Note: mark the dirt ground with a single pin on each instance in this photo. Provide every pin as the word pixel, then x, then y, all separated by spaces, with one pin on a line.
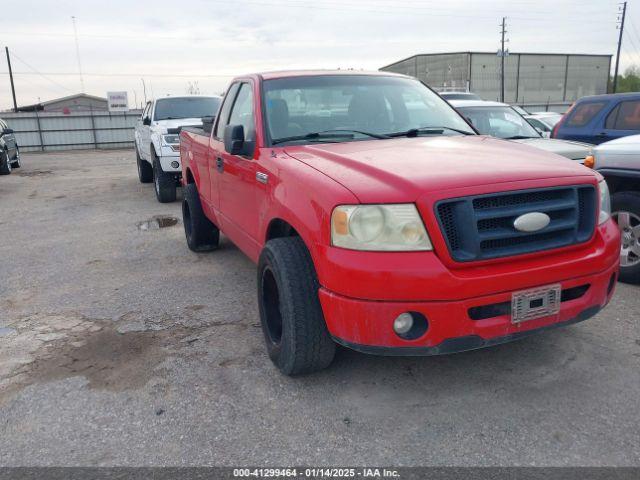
pixel 119 346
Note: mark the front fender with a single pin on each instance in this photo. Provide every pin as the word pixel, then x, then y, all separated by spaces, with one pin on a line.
pixel 304 198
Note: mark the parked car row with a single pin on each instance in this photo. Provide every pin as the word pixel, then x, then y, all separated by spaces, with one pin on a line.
pixel 502 121
pixel 382 221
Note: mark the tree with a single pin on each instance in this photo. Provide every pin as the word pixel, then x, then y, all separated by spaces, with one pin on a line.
pixel 630 80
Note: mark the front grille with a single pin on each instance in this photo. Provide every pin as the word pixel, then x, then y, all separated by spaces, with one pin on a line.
pixel 481 227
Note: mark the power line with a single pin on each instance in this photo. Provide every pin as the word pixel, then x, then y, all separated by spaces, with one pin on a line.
pixel 36 72
pixel 138 74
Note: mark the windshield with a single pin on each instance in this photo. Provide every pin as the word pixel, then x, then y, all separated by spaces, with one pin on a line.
pixel 185 107
pixel 501 122
pixel 354 107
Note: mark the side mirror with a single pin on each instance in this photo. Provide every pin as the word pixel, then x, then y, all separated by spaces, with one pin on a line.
pixel 7 131
pixel 146 121
pixel 207 123
pixel 234 142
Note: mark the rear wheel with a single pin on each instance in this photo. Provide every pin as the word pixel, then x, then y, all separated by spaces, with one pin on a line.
pixel 626 213
pixel 292 321
pixel 164 183
pixel 202 235
pixel 5 163
pixel 145 170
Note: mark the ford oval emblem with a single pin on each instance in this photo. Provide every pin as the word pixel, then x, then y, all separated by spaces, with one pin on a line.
pixel 531 222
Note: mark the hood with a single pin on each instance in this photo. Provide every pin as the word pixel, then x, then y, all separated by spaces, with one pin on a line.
pixel 163 125
pixel 629 145
pixel 566 148
pixel 405 168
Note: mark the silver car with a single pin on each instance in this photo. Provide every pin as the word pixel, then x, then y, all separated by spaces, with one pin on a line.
pixel 500 120
pixel 619 162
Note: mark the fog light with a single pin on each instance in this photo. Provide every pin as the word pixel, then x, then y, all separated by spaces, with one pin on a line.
pixel 410 325
pixel 175 164
pixel 403 323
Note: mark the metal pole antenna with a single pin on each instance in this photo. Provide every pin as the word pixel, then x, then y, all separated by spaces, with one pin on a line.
pixel 621 26
pixel 75 33
pixel 13 88
pixel 502 55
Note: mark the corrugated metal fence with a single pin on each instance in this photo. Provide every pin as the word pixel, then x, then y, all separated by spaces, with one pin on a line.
pixel 42 131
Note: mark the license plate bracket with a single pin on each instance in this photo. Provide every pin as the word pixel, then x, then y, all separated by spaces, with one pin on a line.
pixel 535 303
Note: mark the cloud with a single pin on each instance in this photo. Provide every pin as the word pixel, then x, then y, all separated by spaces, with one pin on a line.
pixel 208 41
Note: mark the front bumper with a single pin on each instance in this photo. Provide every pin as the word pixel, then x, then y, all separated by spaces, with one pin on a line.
pixel 367 325
pixel 170 160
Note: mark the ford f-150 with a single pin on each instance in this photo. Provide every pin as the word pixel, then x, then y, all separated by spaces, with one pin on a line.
pixel 381 221
pixel 157 140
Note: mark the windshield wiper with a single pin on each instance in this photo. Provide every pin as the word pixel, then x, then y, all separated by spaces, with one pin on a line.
pixel 519 137
pixel 328 134
pixel 414 132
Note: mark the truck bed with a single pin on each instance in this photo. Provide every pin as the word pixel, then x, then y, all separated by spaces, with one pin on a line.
pixel 195 131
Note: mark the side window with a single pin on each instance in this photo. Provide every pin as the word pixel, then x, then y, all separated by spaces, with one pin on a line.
pixel 584 113
pixel 223 113
pixel 628 117
pixel 538 124
pixel 242 113
pixel 610 123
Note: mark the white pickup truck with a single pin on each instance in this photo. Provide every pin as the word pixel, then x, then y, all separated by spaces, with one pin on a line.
pixel 157 139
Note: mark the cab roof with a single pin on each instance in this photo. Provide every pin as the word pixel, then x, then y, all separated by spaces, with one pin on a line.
pixel 315 73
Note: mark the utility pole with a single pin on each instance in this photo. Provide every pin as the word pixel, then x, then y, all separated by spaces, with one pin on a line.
pixel 503 53
pixel 75 34
pixel 621 28
pixel 13 88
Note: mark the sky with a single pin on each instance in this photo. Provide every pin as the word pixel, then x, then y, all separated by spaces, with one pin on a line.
pixel 177 47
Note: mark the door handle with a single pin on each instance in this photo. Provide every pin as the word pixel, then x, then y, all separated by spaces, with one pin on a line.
pixel 220 164
pixel 262 177
pixel 602 134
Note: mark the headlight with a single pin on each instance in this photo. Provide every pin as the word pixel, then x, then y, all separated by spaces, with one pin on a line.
pixel 605 202
pixel 171 139
pixel 379 228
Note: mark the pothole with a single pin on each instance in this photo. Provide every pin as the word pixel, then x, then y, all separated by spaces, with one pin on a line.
pixel 157 222
pixel 35 173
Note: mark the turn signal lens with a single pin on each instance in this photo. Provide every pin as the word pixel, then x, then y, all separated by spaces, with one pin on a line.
pixel 590 161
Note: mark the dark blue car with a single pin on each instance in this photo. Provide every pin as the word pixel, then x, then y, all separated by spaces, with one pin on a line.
pixel 601 118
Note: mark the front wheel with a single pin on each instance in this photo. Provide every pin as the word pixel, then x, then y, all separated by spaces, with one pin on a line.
pixel 164 183
pixel 626 213
pixel 16 161
pixel 5 163
pixel 290 313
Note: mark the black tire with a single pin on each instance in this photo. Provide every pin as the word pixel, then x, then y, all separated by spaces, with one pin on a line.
pixel 5 164
pixel 629 202
pixel 145 170
pixel 16 161
pixel 292 321
pixel 164 183
pixel 202 235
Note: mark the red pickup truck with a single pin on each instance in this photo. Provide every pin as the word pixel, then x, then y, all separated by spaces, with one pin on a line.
pixel 381 221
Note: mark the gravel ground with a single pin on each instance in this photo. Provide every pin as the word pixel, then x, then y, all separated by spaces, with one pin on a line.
pixel 119 346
